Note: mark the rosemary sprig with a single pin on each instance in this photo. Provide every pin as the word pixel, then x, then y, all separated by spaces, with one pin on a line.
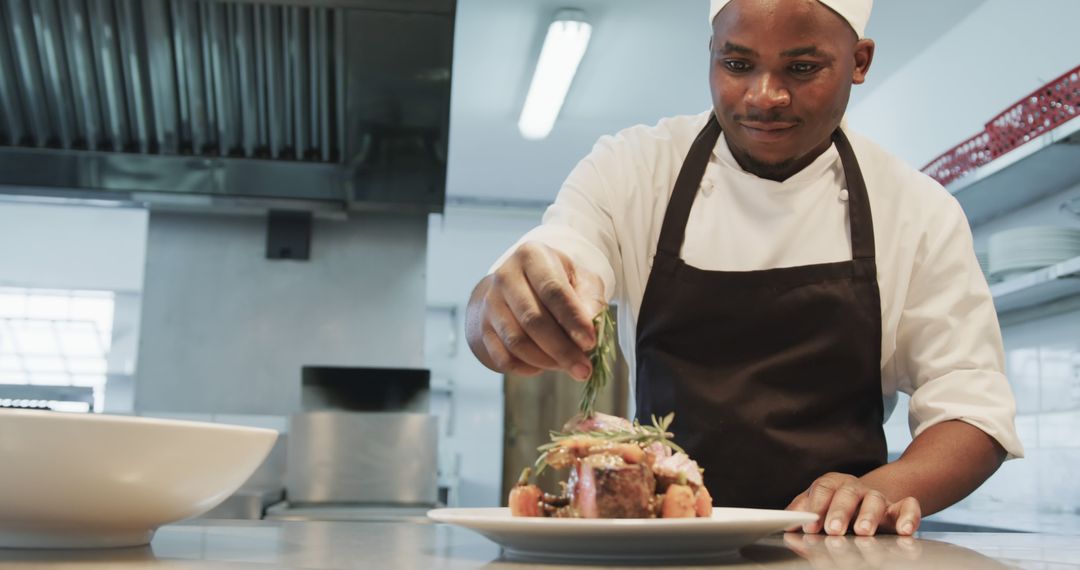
pixel 640 434
pixel 523 479
pixel 602 358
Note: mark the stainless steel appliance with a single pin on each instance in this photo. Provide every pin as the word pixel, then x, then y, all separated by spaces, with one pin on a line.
pixel 364 447
pixel 386 458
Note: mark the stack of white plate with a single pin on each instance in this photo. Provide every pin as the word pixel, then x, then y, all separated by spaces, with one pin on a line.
pixel 1020 250
pixel 984 264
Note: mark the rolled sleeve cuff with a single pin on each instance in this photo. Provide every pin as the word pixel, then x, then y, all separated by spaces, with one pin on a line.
pixel 981 398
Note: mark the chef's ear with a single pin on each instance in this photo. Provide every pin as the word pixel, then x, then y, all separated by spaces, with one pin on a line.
pixel 864 56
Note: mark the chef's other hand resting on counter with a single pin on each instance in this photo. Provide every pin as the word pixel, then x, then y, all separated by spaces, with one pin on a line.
pixel 780 280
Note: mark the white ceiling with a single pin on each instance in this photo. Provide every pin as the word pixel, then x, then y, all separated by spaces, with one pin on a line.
pixel 647 59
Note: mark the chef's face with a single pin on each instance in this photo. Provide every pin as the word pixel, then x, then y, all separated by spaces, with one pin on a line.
pixel 781 72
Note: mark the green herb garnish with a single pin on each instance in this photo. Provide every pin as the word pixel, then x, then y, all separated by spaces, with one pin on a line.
pixel 602 358
pixel 639 434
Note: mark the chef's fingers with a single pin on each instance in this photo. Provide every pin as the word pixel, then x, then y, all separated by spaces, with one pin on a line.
pixel 904 516
pixel 799 503
pixel 548 274
pixel 844 505
pixel 871 513
pixel 511 286
pixel 820 496
pixel 543 330
pixel 502 358
pixel 590 289
pixel 515 339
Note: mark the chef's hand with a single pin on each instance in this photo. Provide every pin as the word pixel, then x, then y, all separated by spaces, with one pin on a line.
pixel 535 313
pixel 840 500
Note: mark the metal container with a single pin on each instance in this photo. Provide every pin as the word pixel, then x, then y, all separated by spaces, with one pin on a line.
pixel 362 457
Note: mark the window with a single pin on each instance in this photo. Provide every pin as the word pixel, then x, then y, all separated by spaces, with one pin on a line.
pixel 53 339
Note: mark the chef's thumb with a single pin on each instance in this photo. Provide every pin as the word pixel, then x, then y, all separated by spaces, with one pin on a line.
pixel 589 300
pixel 590 291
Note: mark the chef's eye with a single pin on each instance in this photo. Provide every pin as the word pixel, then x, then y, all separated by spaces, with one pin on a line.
pixel 736 66
pixel 804 68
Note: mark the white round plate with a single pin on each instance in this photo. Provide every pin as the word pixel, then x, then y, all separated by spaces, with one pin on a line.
pixel 552 539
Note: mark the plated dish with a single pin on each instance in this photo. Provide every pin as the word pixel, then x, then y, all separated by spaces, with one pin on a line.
pixel 614 469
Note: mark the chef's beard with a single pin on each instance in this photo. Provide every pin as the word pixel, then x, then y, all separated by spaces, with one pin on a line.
pixel 763 169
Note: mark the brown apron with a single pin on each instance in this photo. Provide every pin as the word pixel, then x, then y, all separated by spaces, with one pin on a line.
pixel 774 375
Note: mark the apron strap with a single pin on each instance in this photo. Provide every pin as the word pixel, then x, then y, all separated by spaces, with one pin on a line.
pixel 686 188
pixel 862 225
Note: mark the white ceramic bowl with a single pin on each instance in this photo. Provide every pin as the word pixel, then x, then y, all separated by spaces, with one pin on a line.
pixel 92 481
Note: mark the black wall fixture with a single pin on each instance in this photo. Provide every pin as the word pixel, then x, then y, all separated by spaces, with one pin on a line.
pixel 288 235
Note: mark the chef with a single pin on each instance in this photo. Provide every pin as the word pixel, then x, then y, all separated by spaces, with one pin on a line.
pixel 780 279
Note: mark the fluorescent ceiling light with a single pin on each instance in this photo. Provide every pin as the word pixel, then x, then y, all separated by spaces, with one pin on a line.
pixel 564 46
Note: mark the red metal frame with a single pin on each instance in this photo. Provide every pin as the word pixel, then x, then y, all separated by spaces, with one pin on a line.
pixel 1044 109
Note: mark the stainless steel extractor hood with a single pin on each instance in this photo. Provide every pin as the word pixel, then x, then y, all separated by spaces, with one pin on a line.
pixel 332 104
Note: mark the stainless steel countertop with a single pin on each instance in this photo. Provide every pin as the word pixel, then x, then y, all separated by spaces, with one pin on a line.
pixel 410 545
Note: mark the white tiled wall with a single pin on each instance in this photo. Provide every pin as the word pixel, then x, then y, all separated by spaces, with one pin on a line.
pixel 1042 358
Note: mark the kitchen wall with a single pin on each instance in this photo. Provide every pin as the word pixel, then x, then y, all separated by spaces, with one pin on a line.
pixel 252 322
pixel 55 246
pixel 1043 360
pixel 76 247
pixel 226 330
pixel 1042 352
pixel 1002 51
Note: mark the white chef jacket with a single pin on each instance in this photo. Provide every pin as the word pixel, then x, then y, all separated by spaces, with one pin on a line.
pixel 940 339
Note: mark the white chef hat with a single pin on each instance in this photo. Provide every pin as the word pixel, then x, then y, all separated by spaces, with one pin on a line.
pixel 856 12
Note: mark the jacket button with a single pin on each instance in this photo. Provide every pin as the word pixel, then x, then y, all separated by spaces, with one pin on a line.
pixel 843 195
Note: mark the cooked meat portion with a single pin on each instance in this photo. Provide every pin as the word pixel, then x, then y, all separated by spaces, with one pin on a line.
pixel 678 468
pixel 577 447
pixel 617 469
pixel 606 486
